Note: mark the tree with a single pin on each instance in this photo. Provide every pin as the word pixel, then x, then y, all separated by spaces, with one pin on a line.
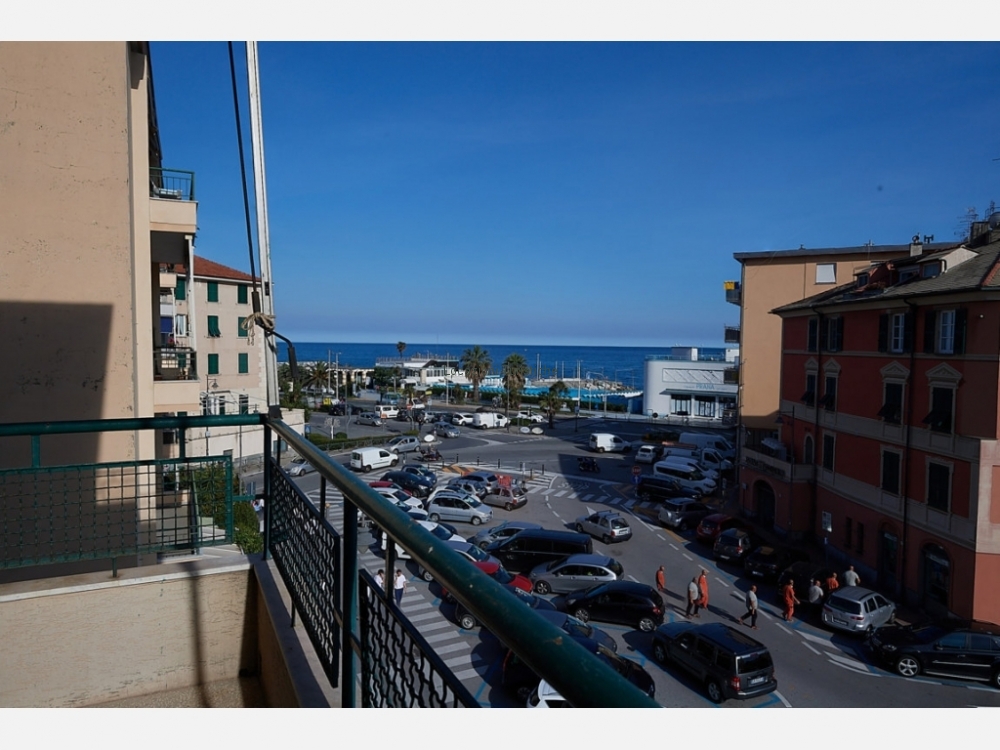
pixel 382 377
pixel 401 347
pixel 477 363
pixel 317 376
pixel 515 374
pixel 552 400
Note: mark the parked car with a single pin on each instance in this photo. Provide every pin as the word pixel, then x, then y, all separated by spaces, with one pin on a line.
pixel 403 444
pixel 530 548
pixel 472 486
pixel 508 498
pixel 415 485
pixel 441 531
pixel 495 570
pixel 442 429
pixel 492 480
pixel 963 649
pixel 624 602
pixel 369 418
pixel 422 471
pixel 468 621
pixel 300 467
pixel 533 418
pixel 714 524
pixel 461 418
pixel 605 525
pixel 546 696
pixel 504 530
pixel 727 662
pixel 733 545
pixel 575 572
pixel 682 513
pixel 454 505
pixel 857 610
pixel 648 454
pixel 519 677
pixel 399 496
pixel 767 562
pixel 802 574
pixel 468 550
pixel 603 442
pixel 662 488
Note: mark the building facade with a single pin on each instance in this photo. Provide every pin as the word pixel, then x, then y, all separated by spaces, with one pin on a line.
pixel 887 451
pixel 685 383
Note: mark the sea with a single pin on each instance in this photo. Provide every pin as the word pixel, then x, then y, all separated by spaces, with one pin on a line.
pixel 622 364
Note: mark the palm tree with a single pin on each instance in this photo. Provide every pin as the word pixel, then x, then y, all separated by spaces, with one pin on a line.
pixel 401 347
pixel 515 373
pixel 552 400
pixel 317 376
pixel 477 363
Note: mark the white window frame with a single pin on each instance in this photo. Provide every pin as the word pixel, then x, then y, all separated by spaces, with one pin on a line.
pixel 945 337
pixel 826 273
pixel 897 332
pixel 180 324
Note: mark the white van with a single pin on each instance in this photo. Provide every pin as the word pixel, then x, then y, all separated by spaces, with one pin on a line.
pixel 707 457
pixel 366 459
pixel 686 462
pixel 486 419
pixel 707 440
pixel 688 478
pixel 384 411
pixel 604 441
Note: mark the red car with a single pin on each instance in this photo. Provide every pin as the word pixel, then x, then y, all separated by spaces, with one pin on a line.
pixel 500 574
pixel 388 485
pixel 713 525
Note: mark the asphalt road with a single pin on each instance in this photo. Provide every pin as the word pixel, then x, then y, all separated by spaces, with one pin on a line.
pixel 814 667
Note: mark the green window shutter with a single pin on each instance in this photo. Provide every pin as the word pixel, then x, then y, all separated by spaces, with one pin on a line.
pixel 240 329
pixel 241 294
pixel 180 291
pixel 213 326
pixel 213 291
pixel 244 363
pixel 213 364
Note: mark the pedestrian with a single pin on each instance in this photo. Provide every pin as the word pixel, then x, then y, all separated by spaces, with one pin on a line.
pixel 851 578
pixel 751 602
pixel 703 589
pixel 694 595
pixel 399 586
pixel 816 596
pixel 380 580
pixel 790 600
pixel 661 580
pixel 832 584
pixel 258 507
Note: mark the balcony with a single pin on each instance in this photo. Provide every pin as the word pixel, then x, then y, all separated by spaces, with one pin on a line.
pixel 302 617
pixel 731 335
pixel 734 295
pixel 173 213
pixel 731 375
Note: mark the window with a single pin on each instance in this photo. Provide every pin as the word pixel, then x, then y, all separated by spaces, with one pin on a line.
pixel 213 326
pixel 181 325
pixel 244 404
pixel 898 340
pixel 941 415
pixel 809 397
pixel 244 363
pixel 946 332
pixel 680 405
pixel 930 270
pixel 213 364
pixel 807 450
pixel 213 291
pixel 241 294
pixel 859 546
pixel 938 486
pixel 829 400
pixel 826 273
pixel 892 403
pixel 240 330
pixel 863 279
pixel 180 291
pixel 890 472
pixel 811 338
pixel 848 532
pixel 169 437
pixel 829 441
pixel 895 332
pixel 831 334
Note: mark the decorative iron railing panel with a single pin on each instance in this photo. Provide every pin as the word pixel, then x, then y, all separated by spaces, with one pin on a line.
pixel 306 550
pixel 399 669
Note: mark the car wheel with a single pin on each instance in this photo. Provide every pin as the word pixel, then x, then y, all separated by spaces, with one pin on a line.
pixel 606 539
pixel 582 615
pixel 433 518
pixel 366 469
pixel 714 691
pixel 660 652
pixel 644 496
pixel 467 621
pixel 646 624
pixel 908 666
pixel 579 527
pixel 542 587
pixel 995 679
pixel 484 545
pixel 394 462
pixel 600 450
pixel 682 526
pixel 426 575
pixel 509 506
pixel 476 520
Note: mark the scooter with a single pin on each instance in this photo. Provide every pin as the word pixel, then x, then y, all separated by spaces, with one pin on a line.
pixel 588 464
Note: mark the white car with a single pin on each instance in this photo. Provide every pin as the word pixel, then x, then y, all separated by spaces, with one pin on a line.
pixel 399 496
pixel 436 530
pixel 462 419
pixel 300 467
pixel 647 454
pixel 533 418
pixel 546 696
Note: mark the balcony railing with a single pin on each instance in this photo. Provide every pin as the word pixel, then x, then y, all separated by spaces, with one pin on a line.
pixel 360 637
pixel 734 294
pixel 174 362
pixel 173 184
pixel 731 375
pixel 731 335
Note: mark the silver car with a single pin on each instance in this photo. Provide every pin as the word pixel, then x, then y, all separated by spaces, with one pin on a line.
pixel 443 429
pixel 575 572
pixel 473 486
pixel 369 417
pixel 454 505
pixel 857 610
pixel 605 525
pixel 682 513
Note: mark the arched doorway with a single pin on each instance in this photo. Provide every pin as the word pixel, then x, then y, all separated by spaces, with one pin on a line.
pixel 888 559
pixel 935 579
pixel 763 495
pixel 808 456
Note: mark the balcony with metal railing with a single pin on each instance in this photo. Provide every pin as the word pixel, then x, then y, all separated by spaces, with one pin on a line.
pixel 356 647
pixel 172 211
pixel 731 334
pixel 734 294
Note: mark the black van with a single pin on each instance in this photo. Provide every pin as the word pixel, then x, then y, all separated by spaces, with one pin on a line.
pixel 526 549
pixel 727 662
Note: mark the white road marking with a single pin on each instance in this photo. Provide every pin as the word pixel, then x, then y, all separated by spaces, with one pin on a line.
pixel 783 628
pixel 556 514
pixel 722 582
pixel 633 578
pixel 546 492
pixel 687 556
pixel 673 546
pixel 561 493
pixel 628 504
pixel 587 498
pixel 663 539
pixel 648 526
pixel 847 660
pixel 765 614
pixel 616 501
pixel 853 669
pixel 804 643
pixel 457 661
pixel 815 638
pixel 782 698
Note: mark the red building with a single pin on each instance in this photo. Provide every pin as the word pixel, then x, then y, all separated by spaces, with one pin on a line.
pixel 887 443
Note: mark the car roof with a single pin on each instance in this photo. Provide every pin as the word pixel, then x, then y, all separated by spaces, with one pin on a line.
pixel 722 635
pixel 589 559
pixel 717 518
pixel 629 587
pixel 852 593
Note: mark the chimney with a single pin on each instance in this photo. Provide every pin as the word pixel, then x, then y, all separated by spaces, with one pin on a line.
pixel 916 247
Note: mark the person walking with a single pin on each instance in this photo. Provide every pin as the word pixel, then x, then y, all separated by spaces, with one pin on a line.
pixel 694 596
pixel 832 584
pixel 661 580
pixel 851 578
pixel 790 600
pixel 751 602
pixel 380 580
pixel 399 586
pixel 703 589
pixel 816 596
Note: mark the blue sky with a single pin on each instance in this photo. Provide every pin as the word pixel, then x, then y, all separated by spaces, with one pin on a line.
pixel 571 193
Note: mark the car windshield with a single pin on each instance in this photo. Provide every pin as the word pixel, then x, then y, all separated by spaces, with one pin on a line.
pixel 477 554
pixel 502 576
pixel 616 568
pixel 849 606
pixel 618 523
pixel 441 533
pixel 754 662
pixel 577 628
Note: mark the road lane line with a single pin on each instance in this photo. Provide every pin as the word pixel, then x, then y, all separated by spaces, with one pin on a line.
pixel 804 643
pixel 633 578
pixel 663 539
pixel 722 582
pixel 687 556
pixel 787 704
pixel 815 638
pixel 628 504
pixel 783 628
pixel 556 515
pixel 674 546
pixel 853 669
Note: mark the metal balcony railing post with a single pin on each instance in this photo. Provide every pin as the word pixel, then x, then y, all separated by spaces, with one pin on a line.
pixel 267 488
pixel 349 590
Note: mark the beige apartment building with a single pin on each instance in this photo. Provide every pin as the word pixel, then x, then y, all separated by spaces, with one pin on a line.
pixel 774 278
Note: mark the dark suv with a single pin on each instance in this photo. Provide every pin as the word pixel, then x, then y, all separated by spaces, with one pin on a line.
pixel 964 649
pixel 634 604
pixel 661 488
pixel 767 562
pixel 418 486
pixel 728 663
pixel 733 545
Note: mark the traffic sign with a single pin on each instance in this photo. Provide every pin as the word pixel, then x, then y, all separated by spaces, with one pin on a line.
pixel 636 470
